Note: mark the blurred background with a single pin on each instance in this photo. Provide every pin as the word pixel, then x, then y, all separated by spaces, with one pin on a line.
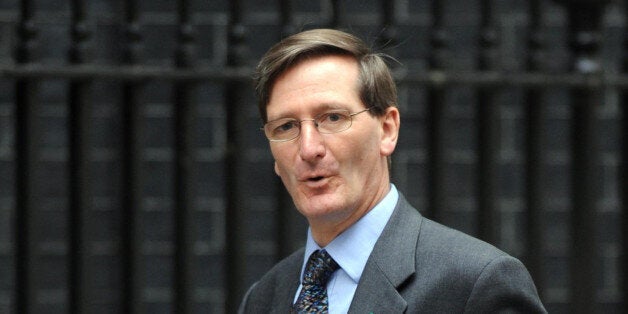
pixel 134 177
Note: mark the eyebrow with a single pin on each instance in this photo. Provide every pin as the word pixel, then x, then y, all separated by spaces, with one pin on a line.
pixel 322 108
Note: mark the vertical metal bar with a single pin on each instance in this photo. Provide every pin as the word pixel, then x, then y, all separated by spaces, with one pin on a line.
pixel 287 219
pixel 488 141
pixel 25 199
pixel 336 14
pixel 184 192
pixel 79 162
pixel 389 33
pixel 437 129
pixel 584 180
pixel 131 177
pixel 286 18
pixel 623 194
pixel 388 37
pixel 584 23
pixel 235 164
pixel 585 187
pixel 534 155
pixel 623 178
pixel 26 162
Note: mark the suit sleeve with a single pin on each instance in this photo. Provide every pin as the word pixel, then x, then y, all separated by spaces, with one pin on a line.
pixel 504 285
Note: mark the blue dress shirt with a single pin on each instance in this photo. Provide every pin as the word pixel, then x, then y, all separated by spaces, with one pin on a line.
pixel 351 250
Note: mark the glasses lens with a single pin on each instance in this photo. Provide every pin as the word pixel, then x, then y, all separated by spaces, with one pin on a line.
pixel 288 128
pixel 282 129
pixel 334 121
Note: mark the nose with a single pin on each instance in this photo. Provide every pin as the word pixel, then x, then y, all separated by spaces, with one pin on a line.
pixel 312 143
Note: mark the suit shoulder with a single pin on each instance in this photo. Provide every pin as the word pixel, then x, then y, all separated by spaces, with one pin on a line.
pixel 471 275
pixel 442 242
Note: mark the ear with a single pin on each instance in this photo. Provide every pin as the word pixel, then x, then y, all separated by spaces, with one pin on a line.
pixel 390 131
pixel 277 169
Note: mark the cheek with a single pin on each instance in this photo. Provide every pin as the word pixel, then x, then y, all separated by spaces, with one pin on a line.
pixel 360 155
pixel 281 159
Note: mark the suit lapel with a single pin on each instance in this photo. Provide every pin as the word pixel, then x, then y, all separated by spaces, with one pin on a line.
pixel 287 286
pixel 285 296
pixel 391 263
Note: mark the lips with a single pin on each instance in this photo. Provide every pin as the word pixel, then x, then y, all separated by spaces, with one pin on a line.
pixel 313 177
pixel 317 176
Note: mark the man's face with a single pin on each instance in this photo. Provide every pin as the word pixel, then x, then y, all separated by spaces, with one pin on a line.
pixel 333 178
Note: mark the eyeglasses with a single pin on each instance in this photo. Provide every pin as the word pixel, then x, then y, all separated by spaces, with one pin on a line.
pixel 286 129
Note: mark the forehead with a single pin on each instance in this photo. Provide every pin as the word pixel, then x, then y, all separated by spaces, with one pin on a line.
pixel 318 82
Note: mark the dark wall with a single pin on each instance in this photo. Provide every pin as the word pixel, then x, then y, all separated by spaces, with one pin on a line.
pixel 134 177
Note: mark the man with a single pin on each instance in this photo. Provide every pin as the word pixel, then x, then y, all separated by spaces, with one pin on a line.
pixel 329 108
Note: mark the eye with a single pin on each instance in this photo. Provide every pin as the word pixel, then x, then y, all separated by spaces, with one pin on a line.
pixel 333 117
pixel 285 126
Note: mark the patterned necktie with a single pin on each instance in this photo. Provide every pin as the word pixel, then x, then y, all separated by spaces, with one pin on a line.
pixel 313 296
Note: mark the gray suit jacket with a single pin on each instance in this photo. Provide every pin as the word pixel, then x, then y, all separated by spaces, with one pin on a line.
pixel 417 266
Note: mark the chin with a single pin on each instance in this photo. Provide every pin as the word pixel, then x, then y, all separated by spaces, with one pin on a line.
pixel 323 209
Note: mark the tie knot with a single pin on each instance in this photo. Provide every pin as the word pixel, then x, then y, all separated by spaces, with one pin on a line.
pixel 319 268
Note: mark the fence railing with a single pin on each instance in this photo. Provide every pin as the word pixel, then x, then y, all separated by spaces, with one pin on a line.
pixel 132 180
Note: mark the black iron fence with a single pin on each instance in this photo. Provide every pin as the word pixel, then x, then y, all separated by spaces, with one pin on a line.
pixel 133 177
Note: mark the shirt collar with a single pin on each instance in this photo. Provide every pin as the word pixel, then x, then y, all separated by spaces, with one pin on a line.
pixel 352 248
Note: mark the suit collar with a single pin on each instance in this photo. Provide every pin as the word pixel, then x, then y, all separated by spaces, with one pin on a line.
pixel 391 263
pixel 352 248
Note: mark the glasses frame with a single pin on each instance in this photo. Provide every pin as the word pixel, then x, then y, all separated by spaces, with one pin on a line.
pixel 263 128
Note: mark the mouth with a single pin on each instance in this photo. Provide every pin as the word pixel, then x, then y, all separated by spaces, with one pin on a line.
pixel 315 179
